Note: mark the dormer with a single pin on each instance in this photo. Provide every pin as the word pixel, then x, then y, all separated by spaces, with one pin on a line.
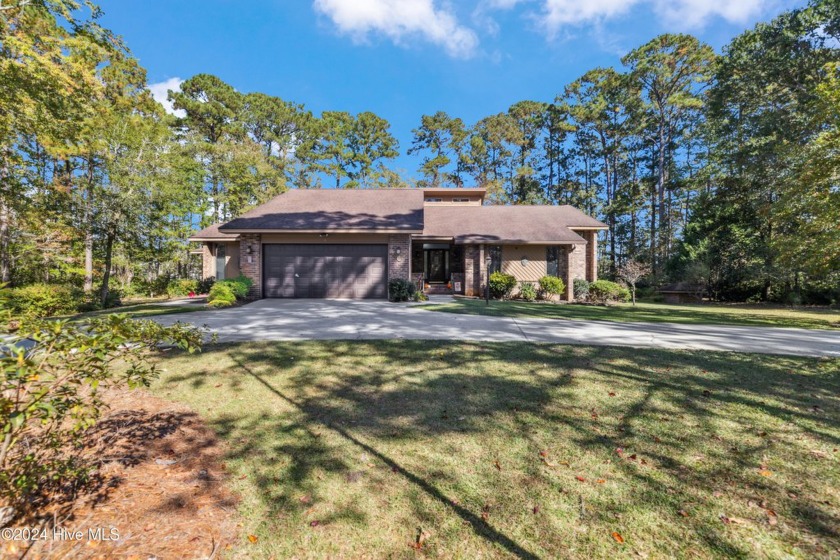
pixel 453 197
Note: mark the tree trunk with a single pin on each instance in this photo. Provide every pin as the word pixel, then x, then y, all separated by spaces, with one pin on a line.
pixel 88 225
pixel 106 274
pixel 5 254
pixel 5 218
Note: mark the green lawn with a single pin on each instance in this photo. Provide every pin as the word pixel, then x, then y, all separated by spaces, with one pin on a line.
pixel 143 310
pixel 348 449
pixel 712 314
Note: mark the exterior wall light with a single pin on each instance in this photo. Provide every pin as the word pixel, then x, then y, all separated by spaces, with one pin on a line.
pixel 323 235
pixel 249 249
pixel 524 261
pixel 397 251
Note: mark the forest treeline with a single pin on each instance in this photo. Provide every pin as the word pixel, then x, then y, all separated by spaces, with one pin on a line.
pixel 720 169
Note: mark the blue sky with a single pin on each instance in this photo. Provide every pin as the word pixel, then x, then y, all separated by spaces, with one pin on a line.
pixel 403 58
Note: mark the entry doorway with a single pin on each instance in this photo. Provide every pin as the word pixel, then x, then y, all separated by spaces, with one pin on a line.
pixel 436 263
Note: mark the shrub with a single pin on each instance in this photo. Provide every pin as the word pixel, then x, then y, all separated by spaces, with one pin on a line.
pixel 551 286
pixel 604 291
pixel 58 387
pixel 203 286
pixel 400 289
pixel 581 289
pixel 420 296
pixel 221 295
pixel 501 285
pixel 182 287
pixel 239 285
pixel 43 300
pixel 527 291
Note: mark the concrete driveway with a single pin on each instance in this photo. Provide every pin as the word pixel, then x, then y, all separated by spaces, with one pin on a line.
pixel 275 319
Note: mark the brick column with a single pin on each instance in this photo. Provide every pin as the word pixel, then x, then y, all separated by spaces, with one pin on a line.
pixel 251 264
pixel 575 268
pixel 472 278
pixel 208 261
pixel 398 265
pixel 592 256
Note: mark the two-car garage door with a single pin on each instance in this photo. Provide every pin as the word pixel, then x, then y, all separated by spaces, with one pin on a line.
pixel 319 271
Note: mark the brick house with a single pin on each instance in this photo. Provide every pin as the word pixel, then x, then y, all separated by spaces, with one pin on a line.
pixel 349 243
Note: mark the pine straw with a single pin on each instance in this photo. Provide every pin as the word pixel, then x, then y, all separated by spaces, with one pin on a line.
pixel 160 508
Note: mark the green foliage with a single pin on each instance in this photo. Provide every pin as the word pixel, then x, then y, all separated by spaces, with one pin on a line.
pixel 581 289
pixel 203 286
pixel 604 291
pixel 527 291
pixel 51 394
pixel 400 289
pixel 221 295
pixel 501 285
pixel 551 286
pixel 182 287
pixel 420 296
pixel 43 300
pixel 239 285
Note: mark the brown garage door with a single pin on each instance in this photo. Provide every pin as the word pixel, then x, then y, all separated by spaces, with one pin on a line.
pixel 319 271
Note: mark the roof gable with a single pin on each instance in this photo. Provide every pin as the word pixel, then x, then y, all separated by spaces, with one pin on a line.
pixel 336 209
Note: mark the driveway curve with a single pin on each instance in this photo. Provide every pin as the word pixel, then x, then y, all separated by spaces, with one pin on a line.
pixel 277 319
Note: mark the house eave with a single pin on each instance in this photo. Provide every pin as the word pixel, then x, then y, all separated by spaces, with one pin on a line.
pixel 328 230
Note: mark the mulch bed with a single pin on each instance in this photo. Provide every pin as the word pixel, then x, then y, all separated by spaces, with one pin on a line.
pixel 161 484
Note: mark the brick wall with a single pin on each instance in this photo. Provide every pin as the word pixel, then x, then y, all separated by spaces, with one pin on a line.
pixel 251 265
pixel 398 265
pixel 208 261
pixel 575 268
pixel 473 263
pixel 591 255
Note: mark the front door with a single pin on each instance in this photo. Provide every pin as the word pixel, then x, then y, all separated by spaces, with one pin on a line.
pixel 437 265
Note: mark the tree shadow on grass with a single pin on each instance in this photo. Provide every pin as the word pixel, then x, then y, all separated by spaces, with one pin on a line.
pixel 367 393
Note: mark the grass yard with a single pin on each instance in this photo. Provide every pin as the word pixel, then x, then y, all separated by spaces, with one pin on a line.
pixel 712 314
pixel 398 449
pixel 143 310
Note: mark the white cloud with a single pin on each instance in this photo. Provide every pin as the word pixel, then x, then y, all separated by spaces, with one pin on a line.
pixel 555 15
pixel 160 91
pixel 399 20
pixel 695 13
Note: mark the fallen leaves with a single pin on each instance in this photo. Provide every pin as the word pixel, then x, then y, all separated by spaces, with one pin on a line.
pixel 765 472
pixel 497 465
pixel 485 512
pixel 580 478
pixel 617 537
pixel 253 539
pixel 420 539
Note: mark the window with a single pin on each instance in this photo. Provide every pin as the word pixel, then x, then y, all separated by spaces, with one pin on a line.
pixel 220 261
pixel 460 200
pixel 434 199
pixel 495 252
pixel 456 259
pixel 552 261
pixel 417 264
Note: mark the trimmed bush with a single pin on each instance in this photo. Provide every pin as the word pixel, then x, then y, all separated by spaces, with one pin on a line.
pixel 501 285
pixel 43 300
pixel 551 286
pixel 239 285
pixel 527 291
pixel 400 289
pixel 203 286
pixel 420 296
pixel 221 295
pixel 581 289
pixel 604 291
pixel 182 287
